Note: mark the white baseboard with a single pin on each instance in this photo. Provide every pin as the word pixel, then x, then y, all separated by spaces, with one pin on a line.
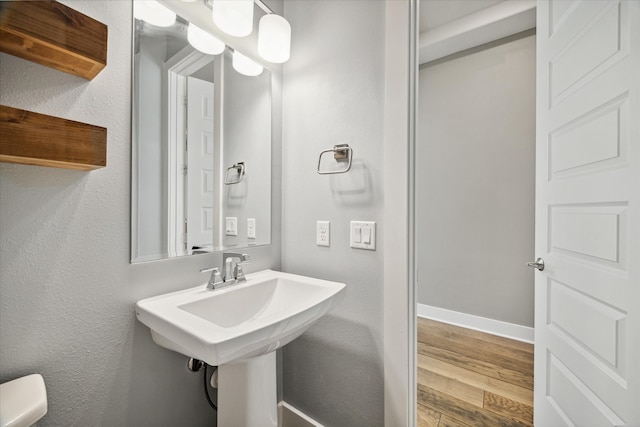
pixel 482 324
pixel 288 416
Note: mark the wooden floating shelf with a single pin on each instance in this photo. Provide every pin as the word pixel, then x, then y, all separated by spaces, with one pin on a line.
pixel 37 139
pixel 54 35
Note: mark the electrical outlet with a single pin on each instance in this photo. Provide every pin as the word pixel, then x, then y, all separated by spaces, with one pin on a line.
pixel 323 233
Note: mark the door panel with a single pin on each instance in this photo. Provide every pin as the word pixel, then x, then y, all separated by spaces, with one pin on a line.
pixel 200 155
pixel 588 214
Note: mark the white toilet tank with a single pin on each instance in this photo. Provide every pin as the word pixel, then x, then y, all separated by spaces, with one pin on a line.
pixel 23 401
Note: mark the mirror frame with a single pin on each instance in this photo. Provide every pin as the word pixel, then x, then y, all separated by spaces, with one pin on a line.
pixel 217 245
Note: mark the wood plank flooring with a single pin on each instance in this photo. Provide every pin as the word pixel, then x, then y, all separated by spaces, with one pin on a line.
pixel 468 378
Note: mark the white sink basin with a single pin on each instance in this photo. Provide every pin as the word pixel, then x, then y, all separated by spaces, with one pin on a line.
pixel 245 320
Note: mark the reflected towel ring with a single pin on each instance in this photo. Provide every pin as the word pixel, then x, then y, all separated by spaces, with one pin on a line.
pixel 340 152
pixel 239 168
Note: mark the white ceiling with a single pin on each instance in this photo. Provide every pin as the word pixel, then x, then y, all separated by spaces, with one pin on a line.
pixel 434 13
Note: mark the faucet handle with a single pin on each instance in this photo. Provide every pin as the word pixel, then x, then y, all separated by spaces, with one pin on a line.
pixel 215 280
pixel 238 273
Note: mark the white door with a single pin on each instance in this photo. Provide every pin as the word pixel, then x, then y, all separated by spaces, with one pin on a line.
pixel 587 321
pixel 200 176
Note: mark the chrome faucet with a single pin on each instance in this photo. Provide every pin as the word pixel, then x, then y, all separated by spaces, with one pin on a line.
pixel 230 274
pixel 234 274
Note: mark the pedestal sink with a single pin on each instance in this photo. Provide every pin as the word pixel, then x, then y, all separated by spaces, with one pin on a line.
pixel 237 329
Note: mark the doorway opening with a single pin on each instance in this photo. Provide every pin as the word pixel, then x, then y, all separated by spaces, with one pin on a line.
pixel 475 193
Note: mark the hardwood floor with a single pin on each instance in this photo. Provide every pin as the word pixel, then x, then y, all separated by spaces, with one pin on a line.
pixel 468 378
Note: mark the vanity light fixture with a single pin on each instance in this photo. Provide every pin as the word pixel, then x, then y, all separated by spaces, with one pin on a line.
pixel 153 13
pixel 234 17
pixel 203 41
pixel 245 65
pixel 274 38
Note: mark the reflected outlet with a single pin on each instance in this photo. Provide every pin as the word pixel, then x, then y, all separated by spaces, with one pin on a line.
pixel 231 228
pixel 251 228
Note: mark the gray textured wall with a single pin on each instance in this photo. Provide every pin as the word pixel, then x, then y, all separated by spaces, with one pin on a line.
pixel 333 94
pixel 475 182
pixel 67 290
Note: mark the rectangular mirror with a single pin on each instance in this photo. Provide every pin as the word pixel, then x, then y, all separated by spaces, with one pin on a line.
pixel 201 149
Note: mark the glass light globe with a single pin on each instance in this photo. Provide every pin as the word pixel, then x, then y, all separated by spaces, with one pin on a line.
pixel 274 38
pixel 234 17
pixel 245 65
pixel 154 13
pixel 203 41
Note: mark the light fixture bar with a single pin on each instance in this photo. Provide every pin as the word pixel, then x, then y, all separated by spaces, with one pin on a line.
pixel 263 6
pixel 266 9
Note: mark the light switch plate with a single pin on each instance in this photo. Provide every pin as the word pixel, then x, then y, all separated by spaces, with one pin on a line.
pixel 363 235
pixel 231 228
pixel 323 233
pixel 251 228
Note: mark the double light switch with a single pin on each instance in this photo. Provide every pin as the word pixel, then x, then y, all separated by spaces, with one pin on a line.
pixel 363 235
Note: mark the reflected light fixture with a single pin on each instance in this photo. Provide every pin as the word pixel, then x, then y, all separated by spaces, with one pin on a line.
pixel 244 65
pixel 154 13
pixel 274 38
pixel 234 17
pixel 203 41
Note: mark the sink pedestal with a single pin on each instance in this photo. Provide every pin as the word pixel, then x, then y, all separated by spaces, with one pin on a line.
pixel 247 393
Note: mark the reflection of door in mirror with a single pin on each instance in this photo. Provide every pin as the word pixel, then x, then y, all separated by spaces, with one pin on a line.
pixel 190 125
pixel 171 214
pixel 200 174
